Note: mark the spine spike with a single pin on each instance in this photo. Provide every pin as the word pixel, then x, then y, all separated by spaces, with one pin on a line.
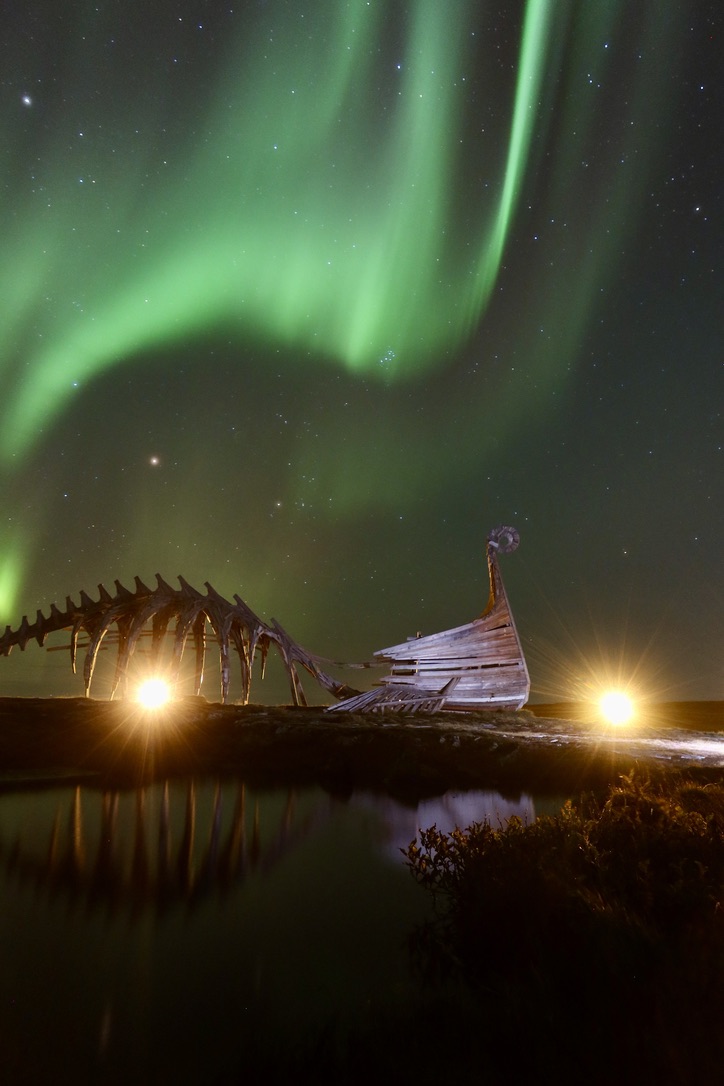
pixel 188 589
pixel 105 596
pixel 214 595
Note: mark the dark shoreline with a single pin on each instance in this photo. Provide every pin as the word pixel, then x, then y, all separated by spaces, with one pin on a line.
pixel 117 744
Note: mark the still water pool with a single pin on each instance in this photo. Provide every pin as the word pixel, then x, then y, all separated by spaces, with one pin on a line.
pixel 188 932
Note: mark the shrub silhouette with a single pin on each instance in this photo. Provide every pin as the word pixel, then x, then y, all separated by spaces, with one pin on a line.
pixel 601 929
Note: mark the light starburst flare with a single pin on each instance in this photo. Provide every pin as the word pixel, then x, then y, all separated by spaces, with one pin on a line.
pixel 616 707
pixel 153 693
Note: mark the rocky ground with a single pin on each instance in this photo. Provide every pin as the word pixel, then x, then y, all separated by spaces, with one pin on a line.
pixel 119 744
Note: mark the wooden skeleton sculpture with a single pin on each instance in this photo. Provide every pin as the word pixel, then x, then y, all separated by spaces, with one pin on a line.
pixel 235 626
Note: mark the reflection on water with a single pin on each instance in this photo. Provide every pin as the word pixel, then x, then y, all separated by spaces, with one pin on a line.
pixel 401 824
pixel 145 849
pixel 183 932
pixel 160 846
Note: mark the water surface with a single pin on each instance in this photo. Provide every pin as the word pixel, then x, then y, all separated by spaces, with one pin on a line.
pixel 186 932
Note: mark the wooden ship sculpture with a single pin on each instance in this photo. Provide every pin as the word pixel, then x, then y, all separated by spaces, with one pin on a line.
pixel 476 666
pixel 480 665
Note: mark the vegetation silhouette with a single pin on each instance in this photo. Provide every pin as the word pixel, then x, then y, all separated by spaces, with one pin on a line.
pixel 592 941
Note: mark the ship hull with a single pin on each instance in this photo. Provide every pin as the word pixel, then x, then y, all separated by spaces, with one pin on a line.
pixel 480 665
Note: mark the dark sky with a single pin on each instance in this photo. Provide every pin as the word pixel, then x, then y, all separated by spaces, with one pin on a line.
pixel 303 298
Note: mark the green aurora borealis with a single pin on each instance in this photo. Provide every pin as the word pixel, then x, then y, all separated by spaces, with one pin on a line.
pixel 347 269
pixel 281 225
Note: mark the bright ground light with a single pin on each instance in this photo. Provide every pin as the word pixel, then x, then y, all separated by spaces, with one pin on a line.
pixel 153 693
pixel 616 707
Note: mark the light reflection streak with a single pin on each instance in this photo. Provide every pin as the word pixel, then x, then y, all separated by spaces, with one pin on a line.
pixel 703 748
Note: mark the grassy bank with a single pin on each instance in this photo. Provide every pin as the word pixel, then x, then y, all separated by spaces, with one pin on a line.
pixel 120 745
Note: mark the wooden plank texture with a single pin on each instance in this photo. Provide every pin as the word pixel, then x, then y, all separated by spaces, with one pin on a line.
pixel 472 666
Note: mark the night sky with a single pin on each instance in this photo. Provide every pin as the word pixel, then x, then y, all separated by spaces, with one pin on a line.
pixel 303 298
